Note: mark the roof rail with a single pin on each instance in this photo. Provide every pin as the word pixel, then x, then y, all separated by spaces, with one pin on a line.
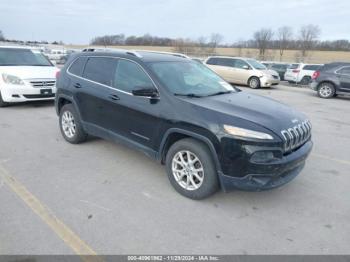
pixel 129 52
pixel 164 53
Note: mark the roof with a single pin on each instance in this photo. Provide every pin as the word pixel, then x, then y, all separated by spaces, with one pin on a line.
pixel 16 47
pixel 143 55
pixel 231 57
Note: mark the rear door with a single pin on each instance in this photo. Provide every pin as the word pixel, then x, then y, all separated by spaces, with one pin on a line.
pixel 344 78
pixel 224 67
pixel 94 93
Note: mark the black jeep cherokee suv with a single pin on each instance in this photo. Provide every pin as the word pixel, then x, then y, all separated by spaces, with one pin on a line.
pixel 209 134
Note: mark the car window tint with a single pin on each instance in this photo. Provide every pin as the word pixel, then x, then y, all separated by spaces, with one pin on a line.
pixel 344 71
pixel 240 63
pixel 130 76
pixel 212 61
pixel 294 66
pixel 311 67
pixel 226 62
pixel 101 70
pixel 77 67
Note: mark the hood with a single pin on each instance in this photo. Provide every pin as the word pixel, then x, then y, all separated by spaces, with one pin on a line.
pixel 30 72
pixel 259 110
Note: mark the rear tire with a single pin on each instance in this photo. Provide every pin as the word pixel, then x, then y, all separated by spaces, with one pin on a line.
pixel 254 82
pixel 326 90
pixel 191 169
pixel 2 102
pixel 70 125
pixel 305 80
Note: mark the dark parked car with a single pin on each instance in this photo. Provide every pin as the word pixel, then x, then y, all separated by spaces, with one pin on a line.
pixel 207 133
pixel 331 80
pixel 280 68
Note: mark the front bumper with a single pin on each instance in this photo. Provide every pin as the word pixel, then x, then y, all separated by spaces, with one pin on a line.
pixel 270 175
pixel 23 93
pixel 267 81
pixel 313 85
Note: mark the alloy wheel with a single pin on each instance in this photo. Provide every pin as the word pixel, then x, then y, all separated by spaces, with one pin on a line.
pixel 68 124
pixel 325 91
pixel 187 170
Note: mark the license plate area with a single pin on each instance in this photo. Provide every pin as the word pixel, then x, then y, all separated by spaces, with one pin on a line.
pixel 46 91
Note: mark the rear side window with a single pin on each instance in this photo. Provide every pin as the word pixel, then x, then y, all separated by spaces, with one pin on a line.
pixel 226 62
pixel 101 70
pixel 344 71
pixel 77 67
pixel 311 67
pixel 130 76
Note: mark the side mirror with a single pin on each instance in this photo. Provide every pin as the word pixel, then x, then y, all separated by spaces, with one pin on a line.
pixel 246 67
pixel 146 92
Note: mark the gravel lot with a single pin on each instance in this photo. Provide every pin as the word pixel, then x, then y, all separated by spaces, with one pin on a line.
pixel 114 200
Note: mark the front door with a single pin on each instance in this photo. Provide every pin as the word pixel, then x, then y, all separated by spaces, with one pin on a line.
pixel 344 78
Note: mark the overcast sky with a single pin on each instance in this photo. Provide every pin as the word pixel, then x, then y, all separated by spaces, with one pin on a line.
pixel 77 21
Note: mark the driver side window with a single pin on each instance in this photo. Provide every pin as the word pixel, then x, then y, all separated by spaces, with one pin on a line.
pixel 130 76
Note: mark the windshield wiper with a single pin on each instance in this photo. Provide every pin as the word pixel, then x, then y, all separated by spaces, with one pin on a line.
pixel 220 93
pixel 187 95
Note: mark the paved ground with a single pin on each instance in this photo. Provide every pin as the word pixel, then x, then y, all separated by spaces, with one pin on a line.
pixel 57 198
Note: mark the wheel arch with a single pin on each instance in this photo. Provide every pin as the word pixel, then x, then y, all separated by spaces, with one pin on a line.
pixel 62 100
pixel 327 82
pixel 173 135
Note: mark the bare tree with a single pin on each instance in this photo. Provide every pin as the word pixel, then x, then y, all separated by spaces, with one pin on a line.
pixel 263 38
pixel 284 35
pixel 308 35
pixel 2 37
pixel 215 39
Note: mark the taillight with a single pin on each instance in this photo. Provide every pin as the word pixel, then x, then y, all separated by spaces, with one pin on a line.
pixel 58 74
pixel 296 71
pixel 315 75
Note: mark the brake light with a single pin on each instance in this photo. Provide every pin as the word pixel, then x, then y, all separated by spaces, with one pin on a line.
pixel 315 75
pixel 296 71
pixel 58 74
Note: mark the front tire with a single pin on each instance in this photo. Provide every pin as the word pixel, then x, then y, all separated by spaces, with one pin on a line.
pixel 2 102
pixel 191 169
pixel 254 82
pixel 326 90
pixel 70 125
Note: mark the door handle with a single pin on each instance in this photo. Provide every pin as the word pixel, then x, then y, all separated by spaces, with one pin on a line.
pixel 114 97
pixel 77 85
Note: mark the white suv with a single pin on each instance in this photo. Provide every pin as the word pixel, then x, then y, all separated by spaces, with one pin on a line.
pixel 300 73
pixel 25 75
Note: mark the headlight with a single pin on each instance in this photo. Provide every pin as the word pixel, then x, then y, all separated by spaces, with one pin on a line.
pixel 13 80
pixel 241 132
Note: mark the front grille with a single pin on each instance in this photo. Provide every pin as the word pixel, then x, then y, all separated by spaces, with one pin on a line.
pixel 43 83
pixel 296 136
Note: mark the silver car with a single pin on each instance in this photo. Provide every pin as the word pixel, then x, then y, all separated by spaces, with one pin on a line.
pixel 243 71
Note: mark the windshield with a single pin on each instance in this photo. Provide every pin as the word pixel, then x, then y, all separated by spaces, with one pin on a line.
pixel 256 64
pixel 22 57
pixel 190 78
